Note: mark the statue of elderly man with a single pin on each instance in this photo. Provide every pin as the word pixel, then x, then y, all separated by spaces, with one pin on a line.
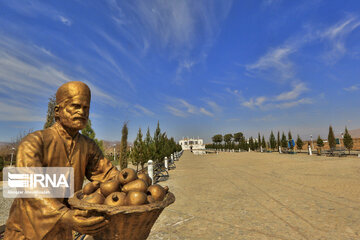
pixel 60 146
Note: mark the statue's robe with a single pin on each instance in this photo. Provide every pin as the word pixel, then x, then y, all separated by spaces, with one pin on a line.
pixel 35 218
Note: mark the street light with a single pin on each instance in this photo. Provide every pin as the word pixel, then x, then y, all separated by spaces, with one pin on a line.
pixel 312 144
pixel 342 136
pixel 114 154
pixel 12 156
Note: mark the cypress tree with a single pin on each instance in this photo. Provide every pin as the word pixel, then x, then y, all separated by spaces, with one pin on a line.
pixel 89 132
pixel 272 141
pixel 299 143
pixel 348 141
pixel 284 143
pixel 290 142
pixel 123 147
pixel 259 141
pixel 137 153
pixel 263 142
pixel 149 148
pixel 50 116
pixel 331 139
pixel 319 142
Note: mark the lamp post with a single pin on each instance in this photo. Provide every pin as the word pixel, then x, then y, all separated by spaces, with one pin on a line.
pixel 312 144
pixel 342 137
pixel 114 154
pixel 12 156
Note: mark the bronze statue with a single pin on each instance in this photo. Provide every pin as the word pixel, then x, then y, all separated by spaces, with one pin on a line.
pixel 60 146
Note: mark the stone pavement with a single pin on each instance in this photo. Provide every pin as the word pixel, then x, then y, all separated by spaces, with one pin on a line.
pixel 262 196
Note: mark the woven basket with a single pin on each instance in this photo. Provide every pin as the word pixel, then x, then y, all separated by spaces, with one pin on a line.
pixel 126 222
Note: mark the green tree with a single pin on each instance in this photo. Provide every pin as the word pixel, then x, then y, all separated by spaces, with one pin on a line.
pixel 238 136
pixel 227 139
pixel 89 132
pixel 263 142
pixel 331 139
pixel 157 142
pixel 50 116
pixel 138 150
pixel 259 141
pixel 299 143
pixel 348 141
pixel 123 147
pixel 217 139
pixel 251 143
pixel 149 148
pixel 284 143
pixel 319 142
pixel 290 140
pixel 272 141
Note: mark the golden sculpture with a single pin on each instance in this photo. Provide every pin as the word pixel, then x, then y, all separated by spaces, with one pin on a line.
pixel 60 146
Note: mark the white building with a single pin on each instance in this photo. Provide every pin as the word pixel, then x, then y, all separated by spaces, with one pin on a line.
pixel 192 143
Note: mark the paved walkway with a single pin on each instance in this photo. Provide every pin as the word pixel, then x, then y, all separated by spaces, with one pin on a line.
pixel 262 196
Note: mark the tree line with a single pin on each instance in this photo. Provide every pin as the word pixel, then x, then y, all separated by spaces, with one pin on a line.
pixel 155 148
pixel 238 141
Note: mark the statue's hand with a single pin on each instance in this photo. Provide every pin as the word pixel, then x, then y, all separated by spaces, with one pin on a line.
pixel 79 220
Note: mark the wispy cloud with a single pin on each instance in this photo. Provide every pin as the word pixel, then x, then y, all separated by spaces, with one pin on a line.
pixel 183 108
pixel 185 29
pixel 65 20
pixel 144 110
pixel 176 112
pixel 336 35
pixel 31 74
pixel 299 88
pixel 283 100
pixel 206 112
pixel 276 64
pixel 36 8
pixel 106 56
pixel 353 88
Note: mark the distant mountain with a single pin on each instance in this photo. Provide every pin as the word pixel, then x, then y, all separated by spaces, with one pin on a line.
pixel 4 143
pixel 355 133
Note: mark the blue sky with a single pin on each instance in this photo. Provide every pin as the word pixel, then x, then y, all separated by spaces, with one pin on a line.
pixel 199 67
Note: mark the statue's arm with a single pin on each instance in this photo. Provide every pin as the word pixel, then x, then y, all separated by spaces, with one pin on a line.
pixel 99 168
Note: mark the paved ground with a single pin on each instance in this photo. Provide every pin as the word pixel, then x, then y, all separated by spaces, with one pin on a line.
pixel 262 196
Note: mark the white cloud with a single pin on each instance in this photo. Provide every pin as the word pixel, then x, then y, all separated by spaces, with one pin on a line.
pixel 106 56
pixel 182 108
pixel 176 112
pixel 11 112
pixel 299 88
pixel 28 75
pixel 336 36
pixel 214 106
pixel 144 110
pixel 206 112
pixel 185 29
pixel 275 64
pixel 283 100
pixel 353 88
pixel 65 21
pixel 294 103
pixel 257 102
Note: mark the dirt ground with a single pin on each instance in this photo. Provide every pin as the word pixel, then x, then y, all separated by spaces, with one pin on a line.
pixel 262 196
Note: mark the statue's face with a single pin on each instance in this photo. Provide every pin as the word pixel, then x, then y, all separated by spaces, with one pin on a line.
pixel 75 113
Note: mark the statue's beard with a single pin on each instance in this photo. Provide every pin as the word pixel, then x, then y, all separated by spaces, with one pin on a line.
pixel 73 123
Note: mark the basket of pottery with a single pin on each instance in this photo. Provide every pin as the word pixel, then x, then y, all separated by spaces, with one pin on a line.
pixel 129 201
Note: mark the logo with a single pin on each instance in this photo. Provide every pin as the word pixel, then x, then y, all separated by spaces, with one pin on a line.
pixel 38 182
pixel 34 180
